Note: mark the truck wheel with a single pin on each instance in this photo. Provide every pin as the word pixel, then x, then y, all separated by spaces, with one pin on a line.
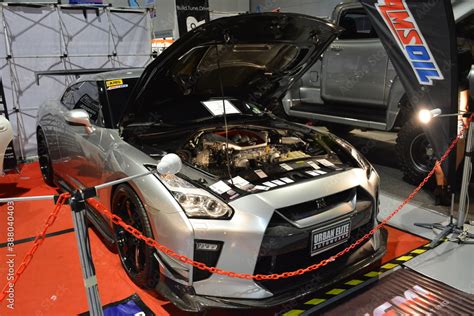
pixel 339 129
pixel 415 154
pixel 136 256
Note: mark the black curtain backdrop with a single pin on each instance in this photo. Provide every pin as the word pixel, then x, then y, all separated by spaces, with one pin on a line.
pixel 419 36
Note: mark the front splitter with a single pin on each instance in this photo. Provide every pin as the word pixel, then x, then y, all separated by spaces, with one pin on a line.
pixel 184 297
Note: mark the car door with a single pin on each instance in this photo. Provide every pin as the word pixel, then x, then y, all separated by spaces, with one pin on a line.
pixel 82 155
pixel 66 147
pixel 355 64
pixel 310 85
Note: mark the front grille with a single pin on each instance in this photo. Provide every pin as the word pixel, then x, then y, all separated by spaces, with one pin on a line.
pixel 287 248
pixel 301 259
pixel 317 206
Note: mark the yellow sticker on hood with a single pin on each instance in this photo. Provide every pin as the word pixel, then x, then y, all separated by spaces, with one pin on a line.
pixel 113 83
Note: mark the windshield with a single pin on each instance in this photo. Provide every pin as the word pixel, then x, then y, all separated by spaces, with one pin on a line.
pixel 178 112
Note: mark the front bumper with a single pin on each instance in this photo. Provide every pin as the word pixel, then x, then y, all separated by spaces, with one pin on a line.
pixel 364 256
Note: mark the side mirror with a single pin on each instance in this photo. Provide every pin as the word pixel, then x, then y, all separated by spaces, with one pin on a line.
pixel 79 117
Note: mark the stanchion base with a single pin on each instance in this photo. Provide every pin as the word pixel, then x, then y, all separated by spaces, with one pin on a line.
pixel 460 236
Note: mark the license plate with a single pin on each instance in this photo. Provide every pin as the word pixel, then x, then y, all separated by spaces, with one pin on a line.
pixel 327 237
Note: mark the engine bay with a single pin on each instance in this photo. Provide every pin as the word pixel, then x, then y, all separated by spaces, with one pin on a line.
pixel 241 149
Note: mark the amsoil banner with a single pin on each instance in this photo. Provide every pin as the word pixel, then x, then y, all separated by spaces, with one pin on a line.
pixel 191 13
pixel 419 36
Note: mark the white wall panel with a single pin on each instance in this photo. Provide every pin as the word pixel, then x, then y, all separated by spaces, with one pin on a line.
pixel 85 31
pixel 23 94
pixel 130 33
pixel 49 38
pixel 32 30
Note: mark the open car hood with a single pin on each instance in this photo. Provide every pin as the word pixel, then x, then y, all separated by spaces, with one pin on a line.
pixel 253 57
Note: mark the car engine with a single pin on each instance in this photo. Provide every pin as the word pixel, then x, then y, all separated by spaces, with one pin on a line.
pixel 246 148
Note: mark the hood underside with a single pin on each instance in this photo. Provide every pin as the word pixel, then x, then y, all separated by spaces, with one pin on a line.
pixel 254 57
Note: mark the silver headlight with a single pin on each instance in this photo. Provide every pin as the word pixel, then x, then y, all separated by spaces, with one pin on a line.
pixel 196 202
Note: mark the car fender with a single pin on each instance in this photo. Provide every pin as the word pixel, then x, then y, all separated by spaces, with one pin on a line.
pixel 46 119
pixel 167 218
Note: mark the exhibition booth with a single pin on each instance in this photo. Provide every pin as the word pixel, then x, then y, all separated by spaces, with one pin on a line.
pixel 256 160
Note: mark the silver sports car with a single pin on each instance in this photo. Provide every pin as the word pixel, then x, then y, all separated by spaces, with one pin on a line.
pixel 256 194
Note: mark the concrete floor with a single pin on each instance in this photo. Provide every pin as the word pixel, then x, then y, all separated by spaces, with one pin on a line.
pixel 379 149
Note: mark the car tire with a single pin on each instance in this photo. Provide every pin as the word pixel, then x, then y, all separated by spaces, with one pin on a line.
pixel 415 154
pixel 44 157
pixel 136 256
pixel 339 129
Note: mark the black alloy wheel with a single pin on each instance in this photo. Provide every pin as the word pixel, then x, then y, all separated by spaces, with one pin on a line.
pixel 136 256
pixel 44 158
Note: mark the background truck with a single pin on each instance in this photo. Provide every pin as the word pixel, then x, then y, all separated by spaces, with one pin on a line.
pixel 354 85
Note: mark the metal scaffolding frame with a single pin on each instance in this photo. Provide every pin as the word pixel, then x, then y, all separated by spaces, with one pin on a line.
pixel 119 26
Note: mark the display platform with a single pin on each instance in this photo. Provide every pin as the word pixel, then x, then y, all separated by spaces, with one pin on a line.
pixel 53 285
pixel 405 292
pixel 392 289
pixel 356 284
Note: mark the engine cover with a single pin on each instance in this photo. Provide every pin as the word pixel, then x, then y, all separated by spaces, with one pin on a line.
pixel 244 148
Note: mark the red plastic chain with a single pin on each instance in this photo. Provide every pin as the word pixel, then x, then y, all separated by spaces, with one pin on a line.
pixel 153 243
pixel 36 244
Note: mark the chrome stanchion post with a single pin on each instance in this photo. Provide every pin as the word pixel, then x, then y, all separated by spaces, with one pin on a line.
pixel 466 177
pixel 455 229
pixel 169 164
pixel 78 207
